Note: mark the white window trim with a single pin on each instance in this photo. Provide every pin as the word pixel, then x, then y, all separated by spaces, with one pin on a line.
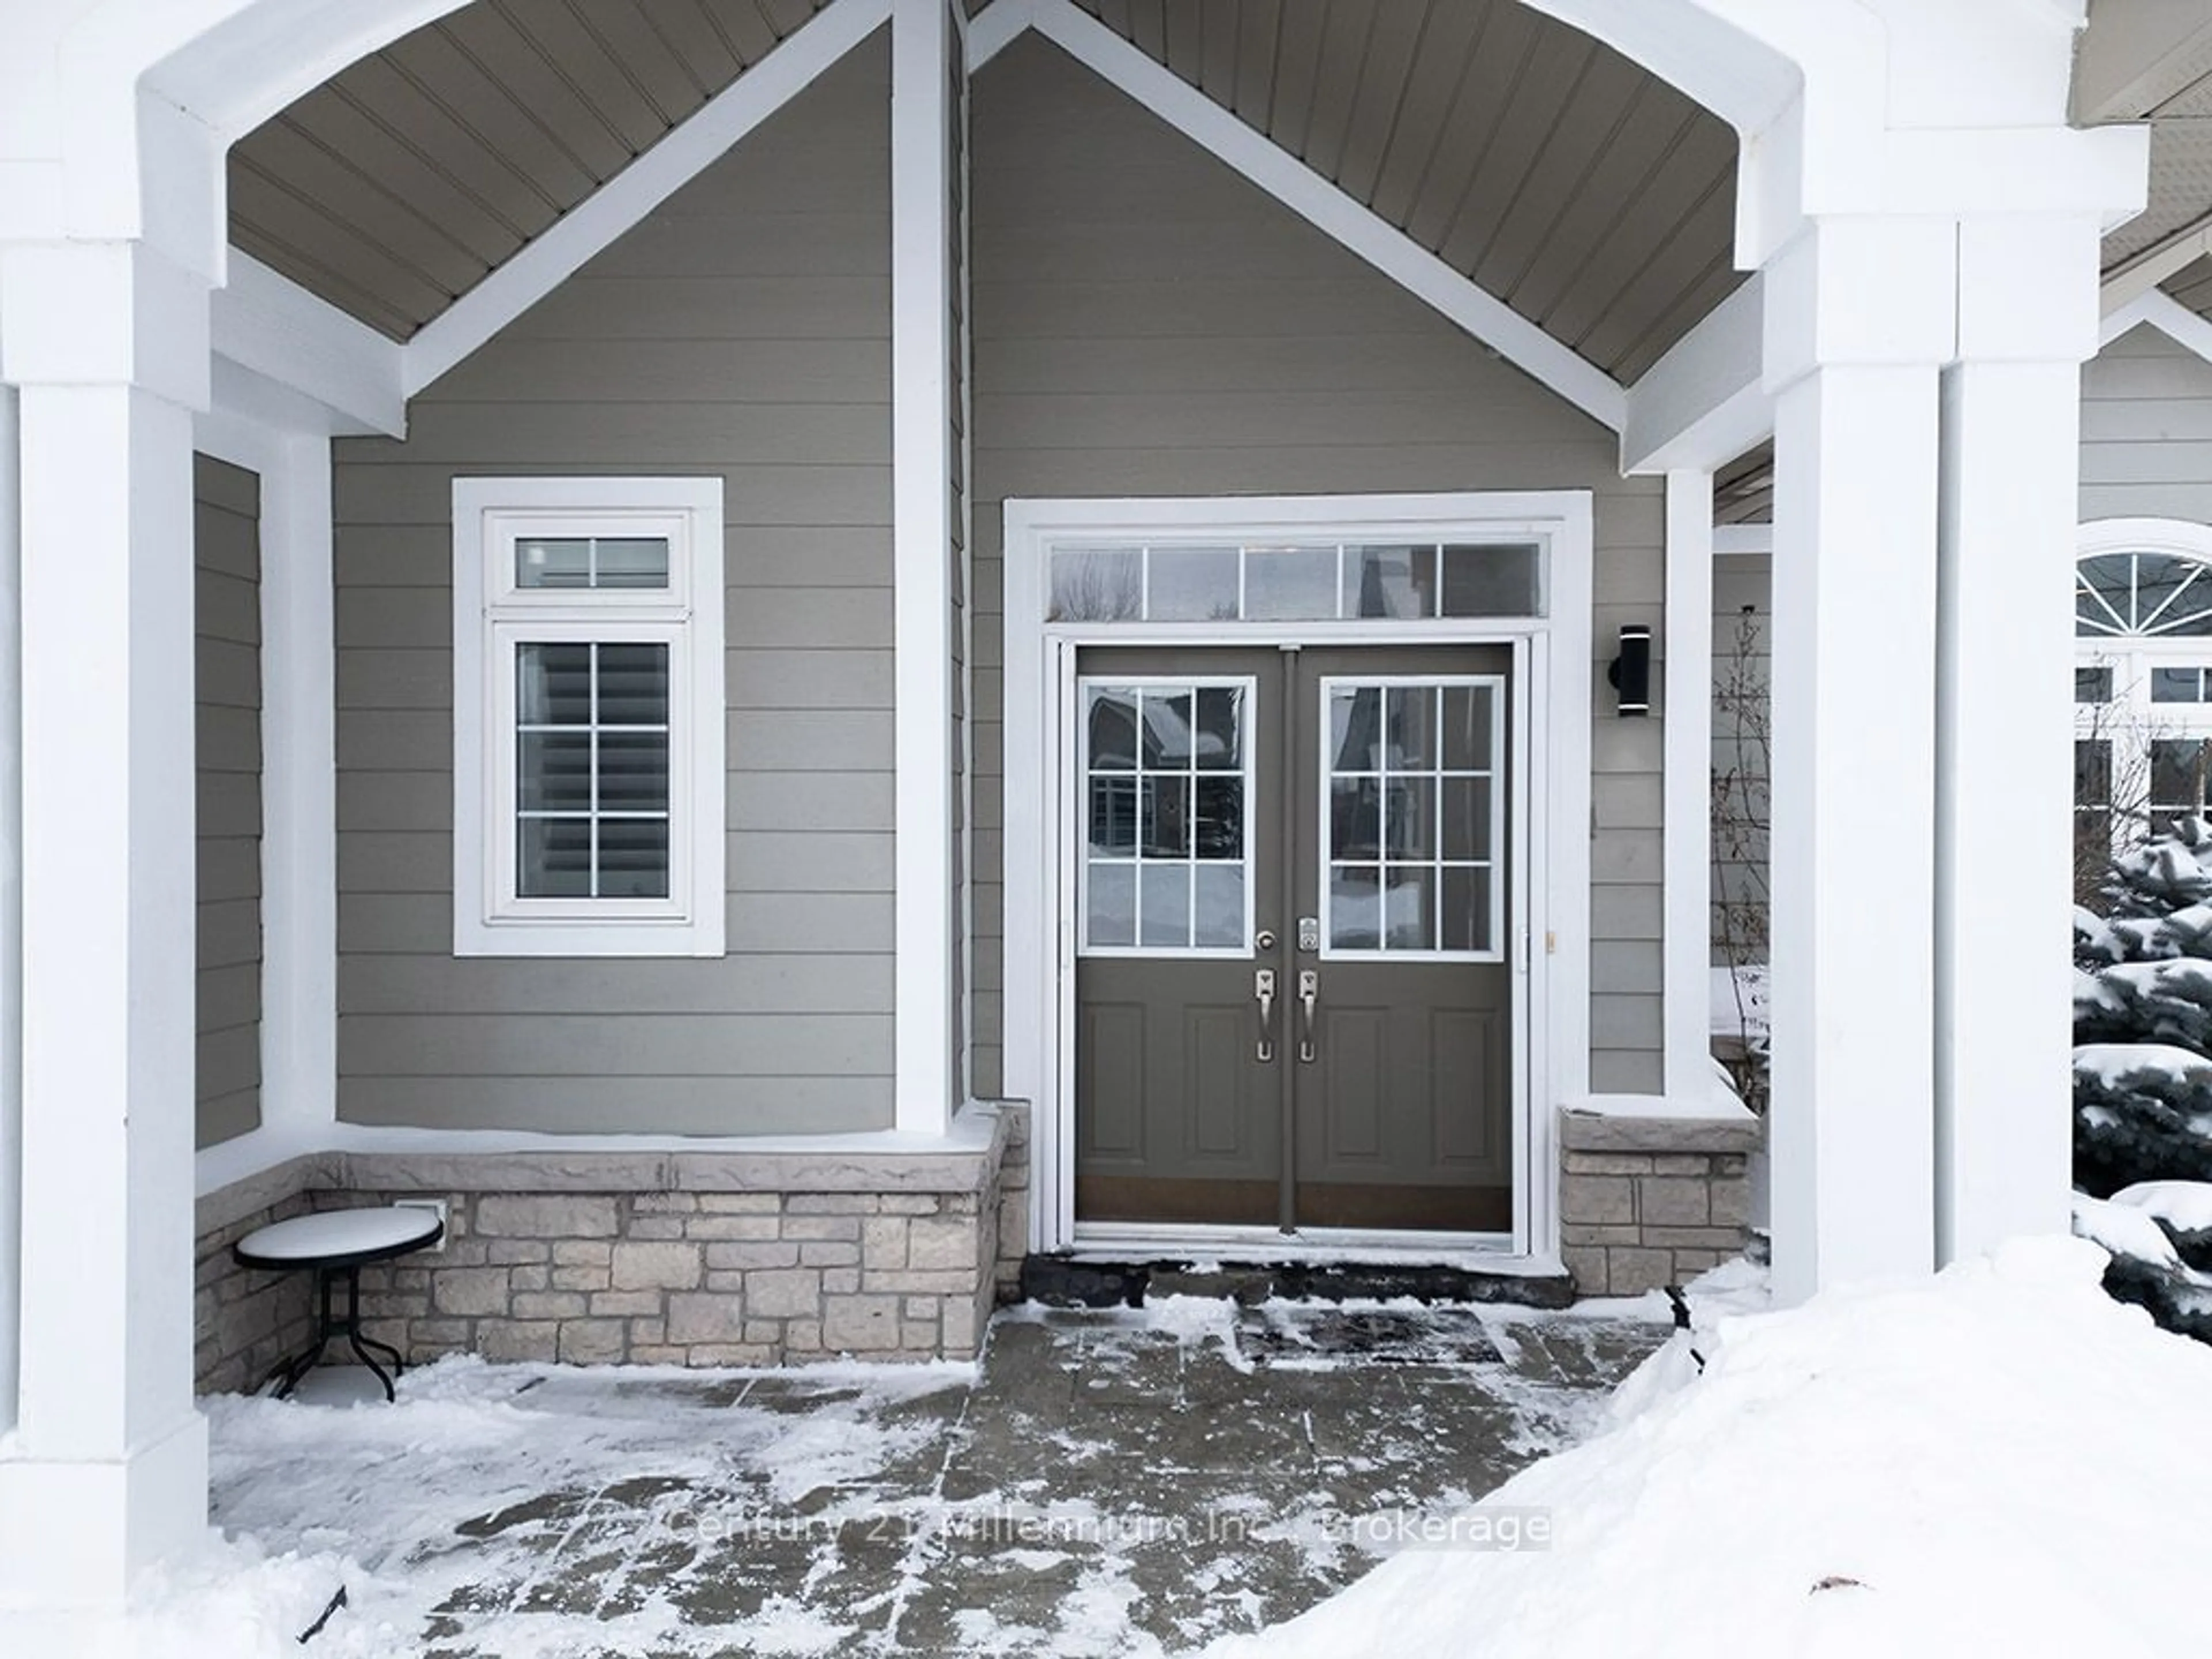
pixel 490 615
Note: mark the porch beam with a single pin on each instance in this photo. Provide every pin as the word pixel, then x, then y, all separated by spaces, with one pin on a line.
pixel 1702 404
pixel 923 539
pixel 1687 811
pixel 2163 312
pixel 1329 209
pixel 1001 24
pixel 343 375
pixel 617 205
pixel 1860 314
pixel 107 1467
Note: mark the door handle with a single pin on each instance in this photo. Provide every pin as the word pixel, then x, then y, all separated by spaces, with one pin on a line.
pixel 1263 991
pixel 1309 994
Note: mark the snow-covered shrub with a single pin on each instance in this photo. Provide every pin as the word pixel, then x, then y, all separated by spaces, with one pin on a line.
pixel 2142 1077
pixel 2142 1018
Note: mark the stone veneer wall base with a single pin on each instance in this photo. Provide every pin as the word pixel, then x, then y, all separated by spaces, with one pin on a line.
pixel 686 1259
pixel 1646 1202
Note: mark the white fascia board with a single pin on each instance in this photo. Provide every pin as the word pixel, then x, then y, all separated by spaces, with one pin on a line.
pixel 2142 272
pixel 625 199
pixel 266 324
pixel 1742 540
pixel 2165 313
pixel 999 25
pixel 1329 209
pixel 1702 404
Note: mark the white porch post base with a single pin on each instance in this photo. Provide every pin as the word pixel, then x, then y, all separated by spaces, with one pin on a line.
pixel 72 1531
pixel 1859 316
pixel 2011 435
pixel 107 1467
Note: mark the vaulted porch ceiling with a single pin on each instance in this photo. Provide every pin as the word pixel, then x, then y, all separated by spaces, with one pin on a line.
pixel 394 188
pixel 1593 199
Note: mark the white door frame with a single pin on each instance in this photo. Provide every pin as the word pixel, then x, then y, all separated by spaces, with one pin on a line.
pixel 1553 666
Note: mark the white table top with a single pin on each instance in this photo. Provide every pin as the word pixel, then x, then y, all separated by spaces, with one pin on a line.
pixel 338 1233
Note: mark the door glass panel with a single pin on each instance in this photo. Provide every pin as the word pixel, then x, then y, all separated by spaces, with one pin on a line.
pixel 1415 815
pixel 1217 906
pixel 1354 908
pixel 1111 917
pixel 1409 906
pixel 1165 784
pixel 1164 905
pixel 1355 729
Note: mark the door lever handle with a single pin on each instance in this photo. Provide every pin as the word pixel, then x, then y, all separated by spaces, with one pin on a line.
pixel 1263 990
pixel 1309 994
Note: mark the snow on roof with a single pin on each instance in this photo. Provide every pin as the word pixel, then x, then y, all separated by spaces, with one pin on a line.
pixel 1990 1461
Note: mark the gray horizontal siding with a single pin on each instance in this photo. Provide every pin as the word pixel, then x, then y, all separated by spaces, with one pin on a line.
pixel 744 330
pixel 1148 324
pixel 2147 430
pixel 227 664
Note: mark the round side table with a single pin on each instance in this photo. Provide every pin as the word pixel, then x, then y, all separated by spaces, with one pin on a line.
pixel 337 1244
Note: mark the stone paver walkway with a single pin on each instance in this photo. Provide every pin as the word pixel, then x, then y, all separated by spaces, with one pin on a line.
pixel 1104 1483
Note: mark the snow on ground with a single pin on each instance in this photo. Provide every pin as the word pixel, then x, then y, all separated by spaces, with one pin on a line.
pixel 1994 1462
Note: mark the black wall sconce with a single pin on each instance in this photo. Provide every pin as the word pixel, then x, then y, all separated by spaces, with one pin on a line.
pixel 1631 671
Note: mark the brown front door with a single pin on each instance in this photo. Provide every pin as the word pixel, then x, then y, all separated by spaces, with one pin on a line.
pixel 1293 991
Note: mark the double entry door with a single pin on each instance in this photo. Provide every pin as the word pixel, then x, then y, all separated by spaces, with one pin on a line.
pixel 1293 985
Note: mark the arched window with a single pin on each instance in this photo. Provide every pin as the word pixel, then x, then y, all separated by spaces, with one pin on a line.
pixel 2142 682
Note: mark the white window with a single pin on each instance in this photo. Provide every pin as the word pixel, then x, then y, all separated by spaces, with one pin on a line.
pixel 587 717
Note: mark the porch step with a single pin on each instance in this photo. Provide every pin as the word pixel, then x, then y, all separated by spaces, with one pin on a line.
pixel 1071 1281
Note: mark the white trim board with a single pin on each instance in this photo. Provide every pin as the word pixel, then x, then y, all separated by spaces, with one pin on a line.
pixel 2165 313
pixel 1330 210
pixel 1686 774
pixel 1553 731
pixel 689 149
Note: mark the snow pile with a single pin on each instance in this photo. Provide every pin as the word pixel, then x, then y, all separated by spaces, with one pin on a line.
pixel 1907 1471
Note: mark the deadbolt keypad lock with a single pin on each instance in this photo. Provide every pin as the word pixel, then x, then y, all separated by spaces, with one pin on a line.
pixel 1308 933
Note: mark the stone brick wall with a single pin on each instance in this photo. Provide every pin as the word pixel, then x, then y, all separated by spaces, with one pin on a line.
pixel 1649 1201
pixel 686 1259
pixel 688 1279
pixel 245 1320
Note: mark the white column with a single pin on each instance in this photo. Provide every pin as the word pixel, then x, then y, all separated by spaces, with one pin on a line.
pixel 107 1470
pixel 2011 416
pixel 11 907
pixel 1859 315
pixel 1687 809
pixel 921 465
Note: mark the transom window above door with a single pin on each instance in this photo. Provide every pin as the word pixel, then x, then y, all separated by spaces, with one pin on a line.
pixel 1296 582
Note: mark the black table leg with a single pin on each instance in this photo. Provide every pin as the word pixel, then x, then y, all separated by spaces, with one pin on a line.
pixel 287 1373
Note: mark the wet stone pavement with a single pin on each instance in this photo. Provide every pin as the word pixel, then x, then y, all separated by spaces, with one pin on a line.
pixel 1129 1481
